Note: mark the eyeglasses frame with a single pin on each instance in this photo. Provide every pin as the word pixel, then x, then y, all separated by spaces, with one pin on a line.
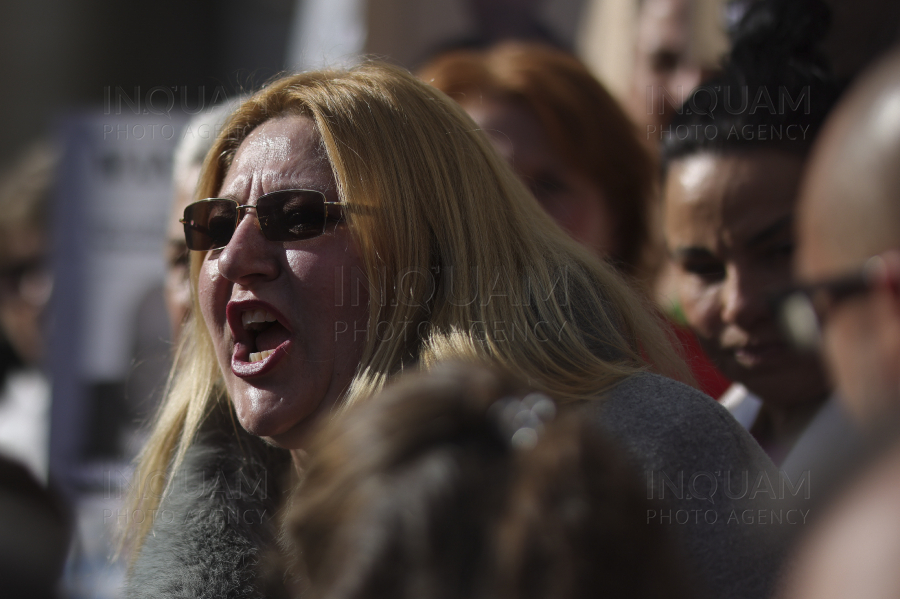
pixel 241 211
pixel 816 300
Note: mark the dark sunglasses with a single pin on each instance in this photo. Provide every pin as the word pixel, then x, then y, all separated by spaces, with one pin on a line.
pixel 802 310
pixel 284 215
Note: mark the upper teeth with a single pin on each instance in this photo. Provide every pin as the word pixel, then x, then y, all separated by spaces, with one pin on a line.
pixel 255 316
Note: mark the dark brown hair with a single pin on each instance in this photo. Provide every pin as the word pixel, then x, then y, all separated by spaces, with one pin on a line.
pixel 420 492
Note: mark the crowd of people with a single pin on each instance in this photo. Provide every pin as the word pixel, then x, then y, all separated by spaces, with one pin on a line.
pixel 478 332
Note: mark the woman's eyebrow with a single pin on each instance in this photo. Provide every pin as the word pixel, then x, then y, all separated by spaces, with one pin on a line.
pixel 771 231
pixel 690 252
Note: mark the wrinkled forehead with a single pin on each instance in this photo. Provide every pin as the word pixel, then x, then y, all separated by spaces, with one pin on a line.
pixel 281 151
pixel 283 139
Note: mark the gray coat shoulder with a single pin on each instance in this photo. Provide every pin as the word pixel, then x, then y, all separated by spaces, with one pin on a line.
pixel 711 482
pixel 665 422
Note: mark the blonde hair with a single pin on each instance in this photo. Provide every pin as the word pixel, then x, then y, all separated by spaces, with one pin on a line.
pixel 455 249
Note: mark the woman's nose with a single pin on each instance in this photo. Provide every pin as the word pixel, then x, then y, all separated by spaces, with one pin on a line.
pixel 248 257
pixel 742 301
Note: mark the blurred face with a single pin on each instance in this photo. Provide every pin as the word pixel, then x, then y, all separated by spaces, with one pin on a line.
pixel 664 71
pixel 729 231
pixel 286 342
pixel 25 286
pixel 842 224
pixel 861 341
pixel 569 197
pixel 178 284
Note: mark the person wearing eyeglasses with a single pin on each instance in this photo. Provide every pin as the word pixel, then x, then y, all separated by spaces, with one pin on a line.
pixel 733 166
pixel 356 225
pixel 849 252
pixel 848 307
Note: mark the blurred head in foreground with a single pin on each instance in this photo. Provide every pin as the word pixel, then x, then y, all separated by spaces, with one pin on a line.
pixel 849 250
pixel 460 484
pixel 848 306
pixel 564 135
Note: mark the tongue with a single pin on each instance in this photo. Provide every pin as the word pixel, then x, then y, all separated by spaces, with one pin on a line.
pixel 271 338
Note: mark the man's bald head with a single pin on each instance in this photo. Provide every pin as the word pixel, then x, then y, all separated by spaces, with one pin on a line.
pixel 850 207
pixel 850 212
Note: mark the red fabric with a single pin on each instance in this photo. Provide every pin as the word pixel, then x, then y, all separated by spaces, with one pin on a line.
pixel 710 380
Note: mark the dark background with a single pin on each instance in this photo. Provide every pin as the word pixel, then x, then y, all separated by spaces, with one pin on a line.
pixel 62 55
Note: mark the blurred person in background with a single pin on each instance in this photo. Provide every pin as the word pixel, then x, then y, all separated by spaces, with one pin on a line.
pixel 733 168
pixel 848 306
pixel 25 287
pixel 197 138
pixel 359 225
pixel 566 138
pixel 458 483
pixel 168 305
pixel 35 524
pixel 35 530
pixel 677 45
pixel 575 149
pixel 673 55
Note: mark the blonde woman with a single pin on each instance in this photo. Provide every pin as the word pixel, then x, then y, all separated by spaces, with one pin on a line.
pixel 361 226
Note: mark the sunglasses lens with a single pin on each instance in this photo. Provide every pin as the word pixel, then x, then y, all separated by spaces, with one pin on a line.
pixel 209 224
pixel 288 215
pixel 292 214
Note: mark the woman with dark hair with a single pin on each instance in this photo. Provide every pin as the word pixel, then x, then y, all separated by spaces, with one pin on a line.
pixel 733 162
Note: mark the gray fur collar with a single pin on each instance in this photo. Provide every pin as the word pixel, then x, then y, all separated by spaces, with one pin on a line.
pixel 219 520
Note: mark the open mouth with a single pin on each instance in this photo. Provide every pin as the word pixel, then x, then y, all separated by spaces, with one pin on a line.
pixel 258 336
pixel 265 333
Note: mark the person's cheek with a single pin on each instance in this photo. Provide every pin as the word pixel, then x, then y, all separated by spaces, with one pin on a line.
pixel 213 298
pixel 701 305
pixel 856 339
pixel 843 355
pixel 178 294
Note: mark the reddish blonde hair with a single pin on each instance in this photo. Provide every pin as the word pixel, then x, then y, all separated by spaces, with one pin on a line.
pixel 586 126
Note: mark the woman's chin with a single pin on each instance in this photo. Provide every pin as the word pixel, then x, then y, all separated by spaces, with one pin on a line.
pixel 276 430
pixel 292 440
